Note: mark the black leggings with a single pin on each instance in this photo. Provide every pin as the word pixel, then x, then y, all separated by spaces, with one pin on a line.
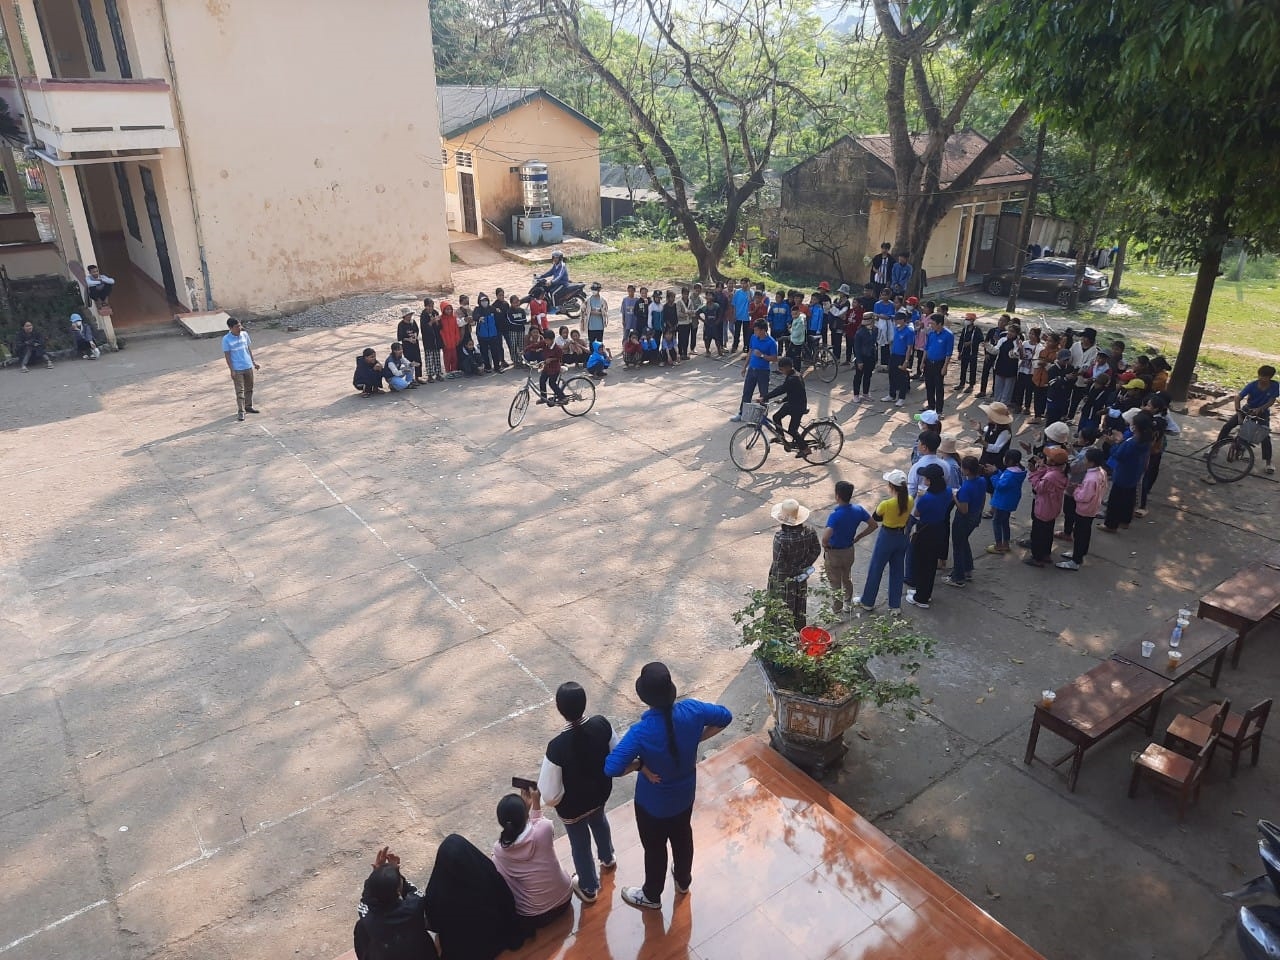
pixel 862 376
pixel 655 834
pixel 1120 507
pixel 793 428
pixel 1149 478
pixel 968 369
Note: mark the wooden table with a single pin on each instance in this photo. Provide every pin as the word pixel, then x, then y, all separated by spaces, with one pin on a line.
pixel 1096 704
pixel 1243 601
pixel 1202 641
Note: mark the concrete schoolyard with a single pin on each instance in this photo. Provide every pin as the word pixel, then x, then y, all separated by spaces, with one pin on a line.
pixel 239 657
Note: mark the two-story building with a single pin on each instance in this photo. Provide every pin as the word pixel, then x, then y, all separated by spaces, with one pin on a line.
pixel 247 156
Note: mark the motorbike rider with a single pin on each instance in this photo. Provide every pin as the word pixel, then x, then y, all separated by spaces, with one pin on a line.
pixel 557 278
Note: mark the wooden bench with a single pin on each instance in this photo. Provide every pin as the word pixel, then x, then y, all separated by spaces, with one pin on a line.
pixel 782 869
pixel 1244 600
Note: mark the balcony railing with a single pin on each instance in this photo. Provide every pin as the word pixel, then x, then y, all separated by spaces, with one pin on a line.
pixel 82 116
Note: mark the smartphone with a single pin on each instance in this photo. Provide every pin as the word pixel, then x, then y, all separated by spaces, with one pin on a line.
pixel 520 783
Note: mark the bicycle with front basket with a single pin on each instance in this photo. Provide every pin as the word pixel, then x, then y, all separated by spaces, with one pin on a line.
pixel 820 439
pixel 579 396
pixel 1232 458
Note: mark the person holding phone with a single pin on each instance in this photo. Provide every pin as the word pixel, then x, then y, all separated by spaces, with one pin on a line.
pixel 663 746
pixel 525 856
pixel 574 782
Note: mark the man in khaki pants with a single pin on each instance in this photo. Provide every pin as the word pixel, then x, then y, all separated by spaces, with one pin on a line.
pixel 837 544
pixel 238 352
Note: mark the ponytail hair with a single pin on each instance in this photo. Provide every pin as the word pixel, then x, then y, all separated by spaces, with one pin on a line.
pixel 513 817
pixel 900 490
pixel 672 747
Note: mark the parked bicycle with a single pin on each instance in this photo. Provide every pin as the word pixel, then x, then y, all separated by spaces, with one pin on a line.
pixel 818 355
pixel 579 396
pixel 1232 458
pixel 820 439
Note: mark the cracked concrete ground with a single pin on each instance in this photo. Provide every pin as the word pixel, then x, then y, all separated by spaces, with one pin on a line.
pixel 239 657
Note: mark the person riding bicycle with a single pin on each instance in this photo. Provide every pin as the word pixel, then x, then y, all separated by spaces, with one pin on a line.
pixel 795 405
pixel 1259 397
pixel 557 278
pixel 552 357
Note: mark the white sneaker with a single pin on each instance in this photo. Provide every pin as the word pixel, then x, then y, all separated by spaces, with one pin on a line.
pixel 736 418
pixel 580 893
pixel 898 403
pixel 886 399
pixel 1068 565
pixel 911 599
pixel 636 898
pixel 679 889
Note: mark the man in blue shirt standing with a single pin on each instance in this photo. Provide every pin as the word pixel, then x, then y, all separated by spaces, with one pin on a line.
pixel 238 352
pixel 741 314
pixel 837 544
pixel 663 746
pixel 938 348
pixel 900 350
pixel 900 275
pixel 762 353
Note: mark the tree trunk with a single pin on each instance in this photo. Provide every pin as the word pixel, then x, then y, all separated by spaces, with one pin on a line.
pixel 1082 256
pixel 1198 310
pixel 1028 215
pixel 1117 271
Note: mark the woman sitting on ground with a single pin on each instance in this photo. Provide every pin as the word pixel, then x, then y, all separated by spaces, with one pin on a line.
pixel 525 856
pixel 469 905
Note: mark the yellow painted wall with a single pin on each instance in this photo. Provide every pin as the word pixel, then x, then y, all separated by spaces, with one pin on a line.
pixel 535 131
pixel 313 141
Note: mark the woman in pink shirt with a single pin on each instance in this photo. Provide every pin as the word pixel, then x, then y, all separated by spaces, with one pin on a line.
pixel 1049 481
pixel 1089 494
pixel 525 856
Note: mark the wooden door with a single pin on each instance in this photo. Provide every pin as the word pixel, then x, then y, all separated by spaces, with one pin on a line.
pixel 467 186
pixel 152 203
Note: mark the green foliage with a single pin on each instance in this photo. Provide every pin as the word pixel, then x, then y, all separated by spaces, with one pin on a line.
pixel 48 303
pixel 768 629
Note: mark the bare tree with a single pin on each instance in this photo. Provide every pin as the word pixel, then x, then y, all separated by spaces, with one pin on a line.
pixel 923 199
pixel 743 72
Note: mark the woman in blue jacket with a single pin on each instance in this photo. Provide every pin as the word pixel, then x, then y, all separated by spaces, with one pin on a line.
pixel 1128 466
pixel 663 745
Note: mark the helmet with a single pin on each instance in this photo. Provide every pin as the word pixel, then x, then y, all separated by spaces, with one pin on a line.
pixel 557 255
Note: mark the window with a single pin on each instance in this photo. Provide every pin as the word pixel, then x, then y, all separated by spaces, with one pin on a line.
pixel 444 157
pixel 91 36
pixel 464 159
pixel 117 36
pixel 126 201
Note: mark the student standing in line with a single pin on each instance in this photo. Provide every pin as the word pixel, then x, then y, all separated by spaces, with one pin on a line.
pixel 838 540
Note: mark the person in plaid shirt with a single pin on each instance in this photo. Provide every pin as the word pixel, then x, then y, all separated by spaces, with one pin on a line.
pixel 795 548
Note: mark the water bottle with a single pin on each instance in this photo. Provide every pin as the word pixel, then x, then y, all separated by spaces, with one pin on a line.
pixel 1176 637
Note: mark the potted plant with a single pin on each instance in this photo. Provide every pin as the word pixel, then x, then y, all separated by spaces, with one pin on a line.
pixel 815 696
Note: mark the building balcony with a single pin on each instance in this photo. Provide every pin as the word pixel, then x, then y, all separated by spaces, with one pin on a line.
pixel 87 116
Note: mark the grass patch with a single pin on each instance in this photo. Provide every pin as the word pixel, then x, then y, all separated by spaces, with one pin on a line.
pixel 662 263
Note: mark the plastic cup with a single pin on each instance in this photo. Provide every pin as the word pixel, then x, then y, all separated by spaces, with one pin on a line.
pixel 1175 658
pixel 1184 615
pixel 1047 697
pixel 1148 648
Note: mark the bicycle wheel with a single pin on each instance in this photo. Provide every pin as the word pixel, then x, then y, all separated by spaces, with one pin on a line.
pixel 519 404
pixel 824 441
pixel 826 365
pixel 580 396
pixel 748 448
pixel 1230 460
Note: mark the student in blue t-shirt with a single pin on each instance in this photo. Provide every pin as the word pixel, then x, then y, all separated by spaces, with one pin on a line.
pixel 762 354
pixel 1256 400
pixel 837 544
pixel 237 350
pixel 816 315
pixel 780 315
pixel 741 307
pixel 970 501
pixel 663 746
pixel 1006 494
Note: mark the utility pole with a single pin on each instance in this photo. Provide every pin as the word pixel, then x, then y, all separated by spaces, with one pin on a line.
pixel 1024 228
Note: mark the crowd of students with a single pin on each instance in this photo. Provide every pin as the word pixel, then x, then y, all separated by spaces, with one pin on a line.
pixel 475 906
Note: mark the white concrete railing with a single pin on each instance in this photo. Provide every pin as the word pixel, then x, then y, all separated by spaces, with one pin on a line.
pixel 78 116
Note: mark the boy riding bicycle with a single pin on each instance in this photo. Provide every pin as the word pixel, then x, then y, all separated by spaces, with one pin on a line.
pixel 552 357
pixel 795 405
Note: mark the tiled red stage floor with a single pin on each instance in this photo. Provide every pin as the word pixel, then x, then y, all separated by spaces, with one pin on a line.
pixel 782 870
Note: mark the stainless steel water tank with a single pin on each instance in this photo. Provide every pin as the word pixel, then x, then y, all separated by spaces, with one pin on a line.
pixel 536 188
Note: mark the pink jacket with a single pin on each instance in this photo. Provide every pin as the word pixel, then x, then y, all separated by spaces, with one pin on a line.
pixel 1050 485
pixel 1090 492
pixel 531 868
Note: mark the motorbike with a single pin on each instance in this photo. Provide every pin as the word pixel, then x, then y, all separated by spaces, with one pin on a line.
pixel 1258 927
pixel 567 302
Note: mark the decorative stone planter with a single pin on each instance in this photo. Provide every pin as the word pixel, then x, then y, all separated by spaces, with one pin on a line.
pixel 809 731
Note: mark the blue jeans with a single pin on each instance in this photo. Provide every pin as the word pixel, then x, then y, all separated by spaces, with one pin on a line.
pixel 399 383
pixel 580 834
pixel 891 551
pixel 756 381
pixel 961 529
pixel 1000 525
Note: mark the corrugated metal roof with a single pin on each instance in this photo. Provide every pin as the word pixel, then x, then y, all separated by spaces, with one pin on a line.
pixel 463 108
pixel 957 154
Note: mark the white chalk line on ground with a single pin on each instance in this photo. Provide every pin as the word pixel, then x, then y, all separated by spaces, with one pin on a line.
pixel 208 853
pixel 421 574
pixel 265 825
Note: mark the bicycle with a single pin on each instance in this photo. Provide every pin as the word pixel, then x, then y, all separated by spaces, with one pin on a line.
pixel 818 355
pixel 1232 458
pixel 821 439
pixel 579 397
